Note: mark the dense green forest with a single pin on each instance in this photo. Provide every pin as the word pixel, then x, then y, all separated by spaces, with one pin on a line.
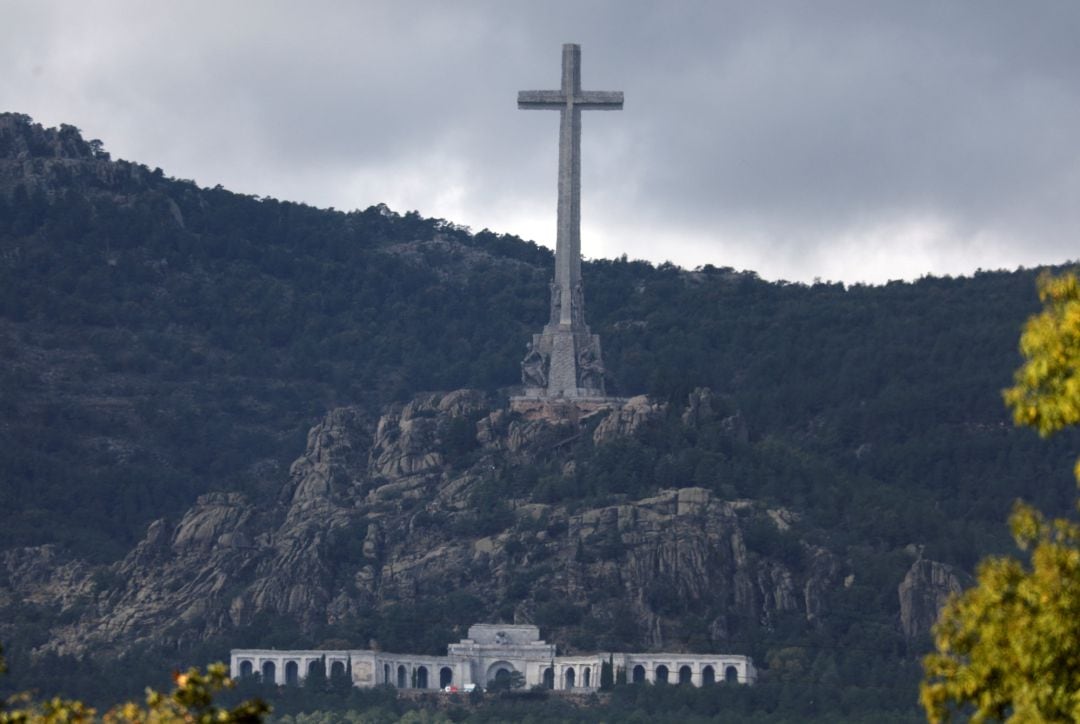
pixel 217 342
pixel 160 340
pixel 640 703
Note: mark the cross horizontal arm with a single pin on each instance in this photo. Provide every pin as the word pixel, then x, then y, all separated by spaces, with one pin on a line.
pixel 585 100
pixel 599 100
pixel 541 99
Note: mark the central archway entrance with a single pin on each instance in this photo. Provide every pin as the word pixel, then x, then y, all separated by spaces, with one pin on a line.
pixel 500 675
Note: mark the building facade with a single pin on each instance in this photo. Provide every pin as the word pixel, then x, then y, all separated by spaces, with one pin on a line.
pixel 491 652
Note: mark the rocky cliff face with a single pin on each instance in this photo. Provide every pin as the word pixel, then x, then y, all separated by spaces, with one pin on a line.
pixel 390 510
pixel 53 159
pixel 924 590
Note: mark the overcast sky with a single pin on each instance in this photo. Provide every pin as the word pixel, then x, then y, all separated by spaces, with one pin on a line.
pixel 852 141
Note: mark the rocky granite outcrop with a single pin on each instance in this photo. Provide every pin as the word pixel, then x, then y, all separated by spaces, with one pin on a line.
pixel 627 420
pixel 377 512
pixel 336 447
pixel 924 590
pixel 43 576
pixel 705 407
pixel 408 437
pixel 51 159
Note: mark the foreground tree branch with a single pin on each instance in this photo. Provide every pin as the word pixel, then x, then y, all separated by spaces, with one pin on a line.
pixel 1009 648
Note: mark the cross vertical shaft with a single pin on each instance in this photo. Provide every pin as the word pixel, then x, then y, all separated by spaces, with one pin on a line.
pixel 568 236
pixel 569 100
pixel 566 357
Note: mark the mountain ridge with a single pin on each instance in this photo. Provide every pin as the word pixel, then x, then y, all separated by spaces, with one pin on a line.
pixel 169 349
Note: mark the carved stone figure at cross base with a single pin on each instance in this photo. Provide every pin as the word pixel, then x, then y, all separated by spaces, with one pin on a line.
pixel 590 369
pixel 572 365
pixel 577 301
pixel 556 300
pixel 534 369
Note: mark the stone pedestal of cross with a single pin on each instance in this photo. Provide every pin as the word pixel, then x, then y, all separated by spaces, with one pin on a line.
pixel 564 360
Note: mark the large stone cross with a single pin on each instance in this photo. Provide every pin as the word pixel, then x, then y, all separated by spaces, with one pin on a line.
pixel 564 360
pixel 570 101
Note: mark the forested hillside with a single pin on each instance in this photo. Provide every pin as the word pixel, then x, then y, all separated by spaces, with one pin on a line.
pixel 160 341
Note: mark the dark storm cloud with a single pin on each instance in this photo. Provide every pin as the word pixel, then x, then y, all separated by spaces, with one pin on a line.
pixel 851 140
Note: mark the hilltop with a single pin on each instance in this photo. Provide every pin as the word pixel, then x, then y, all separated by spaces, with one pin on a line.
pixel 167 348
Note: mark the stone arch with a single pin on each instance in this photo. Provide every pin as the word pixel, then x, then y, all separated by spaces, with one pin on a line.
pixel 637 676
pixel 446 677
pixel 708 676
pixel 686 674
pixel 568 677
pixel 421 677
pixel 586 677
pixel 549 678
pixel 337 669
pixel 246 668
pixel 731 675
pixel 269 672
pixel 495 670
pixel 402 676
pixel 661 674
pixel 292 673
pixel 386 674
pixel 312 666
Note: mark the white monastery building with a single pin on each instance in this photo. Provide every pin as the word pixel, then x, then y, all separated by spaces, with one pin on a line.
pixel 491 652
